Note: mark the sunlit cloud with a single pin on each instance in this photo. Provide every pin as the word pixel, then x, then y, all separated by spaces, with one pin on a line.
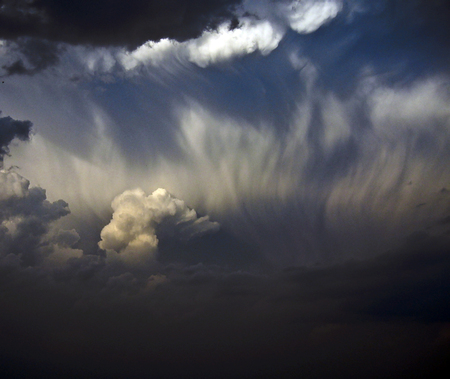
pixel 138 219
pixel 306 16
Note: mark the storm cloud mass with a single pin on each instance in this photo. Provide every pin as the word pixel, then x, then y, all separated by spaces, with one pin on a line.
pixel 109 23
pixel 225 189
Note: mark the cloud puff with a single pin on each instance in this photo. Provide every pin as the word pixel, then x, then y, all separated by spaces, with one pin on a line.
pixel 26 217
pixel 138 219
pixel 224 43
pixel 211 47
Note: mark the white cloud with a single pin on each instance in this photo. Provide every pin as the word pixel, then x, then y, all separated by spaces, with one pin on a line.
pixel 211 47
pixel 423 106
pixel 262 34
pixel 306 16
pixel 138 218
pixel 224 44
pixel 150 53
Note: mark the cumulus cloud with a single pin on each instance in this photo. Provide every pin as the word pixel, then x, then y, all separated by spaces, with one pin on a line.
pixel 26 217
pixel 340 159
pixel 139 219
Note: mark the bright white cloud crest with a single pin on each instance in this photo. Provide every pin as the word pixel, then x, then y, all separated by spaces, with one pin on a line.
pixel 307 16
pixel 211 47
pixel 261 33
pixel 137 219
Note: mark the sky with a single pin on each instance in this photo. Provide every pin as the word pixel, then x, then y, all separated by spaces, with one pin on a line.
pixel 224 188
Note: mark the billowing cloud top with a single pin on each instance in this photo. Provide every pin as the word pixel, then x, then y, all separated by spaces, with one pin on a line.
pixel 26 217
pixel 138 219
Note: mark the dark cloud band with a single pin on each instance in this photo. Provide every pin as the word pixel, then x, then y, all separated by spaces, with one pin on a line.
pixel 111 23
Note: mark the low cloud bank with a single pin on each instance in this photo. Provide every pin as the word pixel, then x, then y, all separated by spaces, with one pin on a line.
pixel 382 317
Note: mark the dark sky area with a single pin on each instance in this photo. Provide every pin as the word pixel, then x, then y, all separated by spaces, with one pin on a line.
pixel 225 189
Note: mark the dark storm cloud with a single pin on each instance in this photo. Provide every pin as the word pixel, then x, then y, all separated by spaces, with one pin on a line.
pixel 409 283
pixel 33 56
pixel 387 313
pixel 10 129
pixel 110 23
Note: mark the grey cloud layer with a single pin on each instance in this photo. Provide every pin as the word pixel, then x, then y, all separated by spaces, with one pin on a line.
pixel 385 314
